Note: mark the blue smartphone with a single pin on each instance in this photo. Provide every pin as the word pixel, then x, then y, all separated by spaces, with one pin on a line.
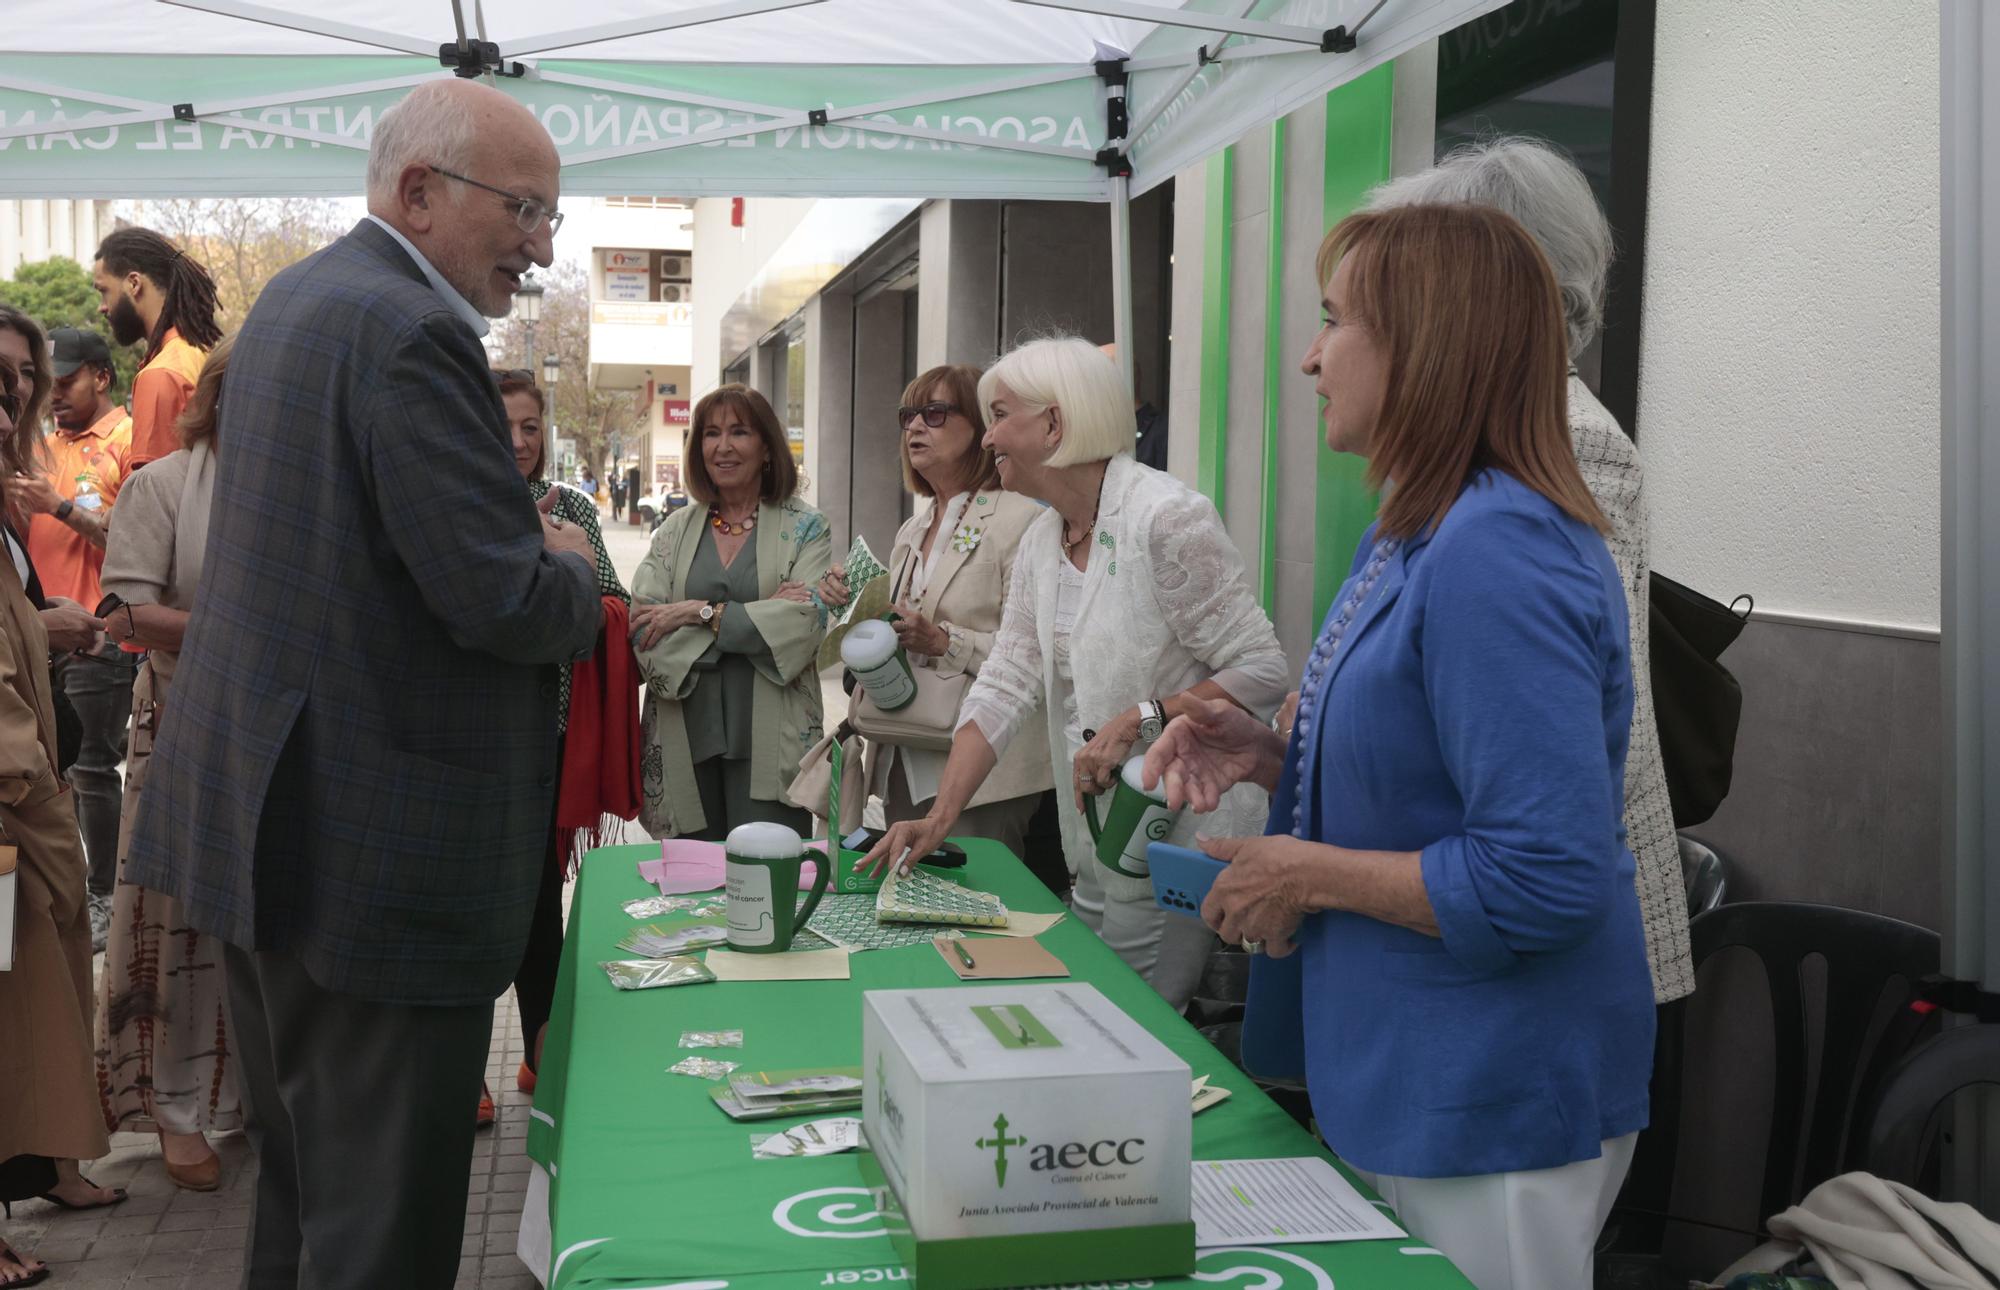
pixel 1181 877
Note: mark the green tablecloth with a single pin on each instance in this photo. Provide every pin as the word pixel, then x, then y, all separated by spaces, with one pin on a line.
pixel 649 1185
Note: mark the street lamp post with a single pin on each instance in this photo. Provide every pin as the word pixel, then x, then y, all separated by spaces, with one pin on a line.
pixel 528 308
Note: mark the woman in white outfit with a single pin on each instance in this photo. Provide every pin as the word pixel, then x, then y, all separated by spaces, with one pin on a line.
pixel 1128 599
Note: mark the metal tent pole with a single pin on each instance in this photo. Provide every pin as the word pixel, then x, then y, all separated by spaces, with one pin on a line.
pixel 1121 273
pixel 1970 128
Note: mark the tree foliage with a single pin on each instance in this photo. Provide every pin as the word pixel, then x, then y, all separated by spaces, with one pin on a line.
pixel 589 416
pixel 245 242
pixel 59 293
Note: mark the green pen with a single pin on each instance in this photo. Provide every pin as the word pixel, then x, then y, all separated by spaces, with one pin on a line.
pixel 958 948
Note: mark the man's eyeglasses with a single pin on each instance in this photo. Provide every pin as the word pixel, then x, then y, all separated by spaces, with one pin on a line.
pixel 528 212
pixel 520 374
pixel 933 414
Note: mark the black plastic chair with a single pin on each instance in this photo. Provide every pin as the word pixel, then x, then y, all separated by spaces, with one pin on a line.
pixel 1872 963
pixel 1705 874
pixel 1897 1131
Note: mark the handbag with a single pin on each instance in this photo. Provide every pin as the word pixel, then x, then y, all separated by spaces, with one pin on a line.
pixel 814 788
pixel 927 722
pixel 1697 703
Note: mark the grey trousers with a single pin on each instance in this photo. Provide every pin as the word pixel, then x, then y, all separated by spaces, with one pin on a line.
pixel 100 689
pixel 724 785
pixel 361 1117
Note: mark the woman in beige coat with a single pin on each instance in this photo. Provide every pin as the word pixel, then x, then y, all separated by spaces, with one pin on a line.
pixel 48 1116
pixel 949 573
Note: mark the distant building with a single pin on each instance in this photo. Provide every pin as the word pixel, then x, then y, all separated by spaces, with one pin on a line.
pixel 32 231
pixel 642 327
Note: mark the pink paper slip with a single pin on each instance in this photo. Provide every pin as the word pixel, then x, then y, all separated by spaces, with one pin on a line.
pixel 686 865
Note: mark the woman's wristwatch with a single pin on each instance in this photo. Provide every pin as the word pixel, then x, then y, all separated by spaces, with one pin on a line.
pixel 711 614
pixel 1152 719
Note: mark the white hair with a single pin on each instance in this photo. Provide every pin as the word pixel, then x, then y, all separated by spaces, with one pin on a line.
pixel 1070 373
pixel 433 125
pixel 1543 189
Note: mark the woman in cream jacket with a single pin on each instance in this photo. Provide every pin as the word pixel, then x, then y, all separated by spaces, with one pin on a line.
pixel 949 572
pixel 1127 601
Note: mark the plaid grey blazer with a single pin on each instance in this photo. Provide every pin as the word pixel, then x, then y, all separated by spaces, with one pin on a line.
pixel 357 763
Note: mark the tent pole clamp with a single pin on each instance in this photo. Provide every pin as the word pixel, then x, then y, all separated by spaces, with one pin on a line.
pixel 1338 40
pixel 472 58
pixel 1117 119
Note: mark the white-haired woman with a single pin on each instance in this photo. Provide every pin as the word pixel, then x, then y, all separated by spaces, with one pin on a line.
pixel 1544 190
pixel 1127 600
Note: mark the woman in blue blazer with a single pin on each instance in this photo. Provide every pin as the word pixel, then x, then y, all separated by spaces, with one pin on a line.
pixel 1445 851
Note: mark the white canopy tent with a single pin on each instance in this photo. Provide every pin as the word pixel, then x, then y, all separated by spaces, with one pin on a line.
pixel 1094 100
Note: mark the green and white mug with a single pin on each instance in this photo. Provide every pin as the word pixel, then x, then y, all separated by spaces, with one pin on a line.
pixel 1134 819
pixel 761 867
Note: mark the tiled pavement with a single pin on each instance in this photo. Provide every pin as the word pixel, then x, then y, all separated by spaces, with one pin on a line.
pixel 164 1237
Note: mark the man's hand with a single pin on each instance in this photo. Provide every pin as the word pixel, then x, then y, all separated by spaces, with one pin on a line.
pixel 559 535
pixel 36 494
pixel 71 629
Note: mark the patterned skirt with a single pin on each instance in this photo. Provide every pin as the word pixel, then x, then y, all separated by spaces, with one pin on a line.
pixel 163 1045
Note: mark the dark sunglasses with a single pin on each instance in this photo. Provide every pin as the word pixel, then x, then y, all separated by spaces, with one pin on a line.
pixel 932 413
pixel 520 374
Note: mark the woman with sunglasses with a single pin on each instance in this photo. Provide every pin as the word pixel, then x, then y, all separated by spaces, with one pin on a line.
pixel 535 982
pixel 949 573
pixel 1128 604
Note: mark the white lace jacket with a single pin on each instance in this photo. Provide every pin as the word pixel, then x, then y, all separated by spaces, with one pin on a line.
pixel 1610 467
pixel 1165 604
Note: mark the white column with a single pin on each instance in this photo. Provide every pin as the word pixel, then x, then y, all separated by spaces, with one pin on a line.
pixel 34 231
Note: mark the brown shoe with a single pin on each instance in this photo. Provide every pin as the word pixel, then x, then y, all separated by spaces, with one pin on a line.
pixel 203 1175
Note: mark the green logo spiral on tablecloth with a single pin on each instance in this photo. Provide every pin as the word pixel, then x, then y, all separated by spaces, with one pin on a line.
pixel 1258 1267
pixel 840 1213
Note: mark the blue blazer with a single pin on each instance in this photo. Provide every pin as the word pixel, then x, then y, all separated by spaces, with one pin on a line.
pixel 1477 712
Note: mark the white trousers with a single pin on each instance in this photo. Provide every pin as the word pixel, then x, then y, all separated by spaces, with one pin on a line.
pixel 1531 1230
pixel 1169 950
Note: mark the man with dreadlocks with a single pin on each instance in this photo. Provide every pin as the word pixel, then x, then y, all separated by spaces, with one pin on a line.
pixel 151 290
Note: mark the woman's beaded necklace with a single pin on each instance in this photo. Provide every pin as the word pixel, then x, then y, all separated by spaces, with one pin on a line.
pixel 1312 687
pixel 725 527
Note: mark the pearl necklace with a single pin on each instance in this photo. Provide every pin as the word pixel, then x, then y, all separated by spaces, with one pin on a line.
pixel 1312 688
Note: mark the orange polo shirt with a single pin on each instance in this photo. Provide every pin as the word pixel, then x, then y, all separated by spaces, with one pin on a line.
pixel 87 468
pixel 159 393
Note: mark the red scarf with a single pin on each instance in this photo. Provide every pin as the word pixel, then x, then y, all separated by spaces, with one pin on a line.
pixel 600 774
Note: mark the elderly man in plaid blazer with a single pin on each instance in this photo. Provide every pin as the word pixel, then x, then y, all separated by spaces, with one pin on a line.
pixel 353 785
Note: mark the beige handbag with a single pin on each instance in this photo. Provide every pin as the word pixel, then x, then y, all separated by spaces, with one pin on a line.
pixel 813 789
pixel 928 721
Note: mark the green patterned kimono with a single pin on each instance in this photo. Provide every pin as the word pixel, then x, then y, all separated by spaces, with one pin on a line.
pixel 793 545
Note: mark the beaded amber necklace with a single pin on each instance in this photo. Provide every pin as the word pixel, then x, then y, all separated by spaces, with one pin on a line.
pixel 725 527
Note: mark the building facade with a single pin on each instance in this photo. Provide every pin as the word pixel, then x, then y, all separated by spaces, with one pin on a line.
pixel 642 277
pixel 32 231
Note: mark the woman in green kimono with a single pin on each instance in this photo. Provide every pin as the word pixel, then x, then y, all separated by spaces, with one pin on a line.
pixel 725 629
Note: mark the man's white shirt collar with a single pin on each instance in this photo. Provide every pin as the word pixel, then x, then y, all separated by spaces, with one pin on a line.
pixel 459 304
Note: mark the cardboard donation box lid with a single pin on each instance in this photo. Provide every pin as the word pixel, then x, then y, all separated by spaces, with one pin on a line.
pixel 1025 1134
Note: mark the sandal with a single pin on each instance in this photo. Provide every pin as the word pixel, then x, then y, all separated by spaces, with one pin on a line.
pixel 117 1195
pixel 30 1276
pixel 485 1116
